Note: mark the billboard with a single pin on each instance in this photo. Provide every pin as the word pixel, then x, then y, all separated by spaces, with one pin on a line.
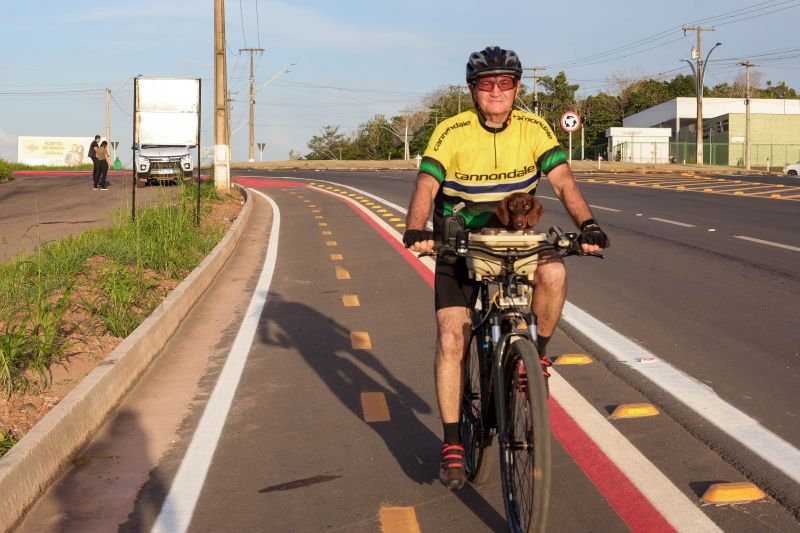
pixel 54 151
pixel 167 111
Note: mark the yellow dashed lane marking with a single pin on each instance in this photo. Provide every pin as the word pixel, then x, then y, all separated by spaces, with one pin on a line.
pixel 331 243
pixel 387 215
pixel 399 520
pixel 351 300
pixel 323 224
pixel 374 407
pixel 315 211
pixel 395 219
pixel 360 340
pixel 336 257
pixel 400 226
pixel 311 205
pixel 319 217
pixel 327 232
pixel 342 273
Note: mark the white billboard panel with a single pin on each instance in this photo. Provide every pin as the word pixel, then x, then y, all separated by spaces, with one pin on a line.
pixel 54 151
pixel 167 111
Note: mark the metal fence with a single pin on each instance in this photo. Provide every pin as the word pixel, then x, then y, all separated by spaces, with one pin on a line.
pixel 724 154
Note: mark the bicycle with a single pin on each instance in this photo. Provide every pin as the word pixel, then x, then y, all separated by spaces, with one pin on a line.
pixel 500 396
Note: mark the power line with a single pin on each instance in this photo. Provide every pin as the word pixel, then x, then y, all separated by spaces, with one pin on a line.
pixel 117 104
pixel 241 17
pixel 258 26
pixel 36 93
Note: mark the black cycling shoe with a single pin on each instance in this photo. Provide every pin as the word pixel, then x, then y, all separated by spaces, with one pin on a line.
pixel 452 472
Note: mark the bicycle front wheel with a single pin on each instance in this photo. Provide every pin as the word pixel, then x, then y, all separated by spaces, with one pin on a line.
pixel 525 455
pixel 475 434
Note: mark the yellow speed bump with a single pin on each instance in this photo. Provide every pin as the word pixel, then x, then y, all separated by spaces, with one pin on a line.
pixel 360 340
pixel 573 359
pixel 634 410
pixel 728 493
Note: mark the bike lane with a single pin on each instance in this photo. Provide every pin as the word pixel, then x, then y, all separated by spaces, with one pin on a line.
pixel 334 423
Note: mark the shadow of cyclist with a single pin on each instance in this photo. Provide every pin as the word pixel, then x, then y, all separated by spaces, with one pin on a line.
pixel 344 371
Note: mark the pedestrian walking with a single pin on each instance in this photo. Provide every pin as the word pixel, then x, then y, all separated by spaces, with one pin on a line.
pixel 103 161
pixel 95 161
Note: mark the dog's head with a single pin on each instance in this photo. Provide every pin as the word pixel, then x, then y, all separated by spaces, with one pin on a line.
pixel 519 210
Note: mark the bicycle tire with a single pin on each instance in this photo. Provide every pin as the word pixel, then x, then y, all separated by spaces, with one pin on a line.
pixel 475 435
pixel 525 457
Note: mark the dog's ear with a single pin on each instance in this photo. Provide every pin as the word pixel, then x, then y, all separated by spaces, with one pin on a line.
pixel 502 211
pixel 535 213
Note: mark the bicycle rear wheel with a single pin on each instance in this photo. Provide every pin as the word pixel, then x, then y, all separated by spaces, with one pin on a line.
pixel 525 457
pixel 474 434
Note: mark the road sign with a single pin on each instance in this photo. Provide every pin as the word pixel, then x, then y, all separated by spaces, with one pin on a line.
pixel 570 121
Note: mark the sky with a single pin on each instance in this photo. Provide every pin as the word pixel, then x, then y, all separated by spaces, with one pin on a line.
pixel 342 62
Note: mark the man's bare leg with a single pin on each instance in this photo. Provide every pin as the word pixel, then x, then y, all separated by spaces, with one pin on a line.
pixel 550 281
pixel 453 331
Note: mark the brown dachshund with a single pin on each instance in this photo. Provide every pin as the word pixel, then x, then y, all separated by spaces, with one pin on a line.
pixel 519 210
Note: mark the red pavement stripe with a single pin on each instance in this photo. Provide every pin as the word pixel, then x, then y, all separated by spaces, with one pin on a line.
pixel 631 505
pixel 627 501
pixel 268 183
pixel 66 173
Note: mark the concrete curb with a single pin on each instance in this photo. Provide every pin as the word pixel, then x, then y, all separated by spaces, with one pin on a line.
pixel 28 468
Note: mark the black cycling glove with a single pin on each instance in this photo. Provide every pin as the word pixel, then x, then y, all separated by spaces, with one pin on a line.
pixel 592 234
pixel 416 235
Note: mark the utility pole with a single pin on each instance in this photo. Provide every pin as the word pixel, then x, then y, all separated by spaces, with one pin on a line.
pixel 699 89
pixel 535 88
pixel 108 115
pixel 251 152
pixel 747 161
pixel 222 168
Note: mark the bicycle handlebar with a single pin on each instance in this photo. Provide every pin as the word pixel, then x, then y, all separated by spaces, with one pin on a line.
pixel 565 244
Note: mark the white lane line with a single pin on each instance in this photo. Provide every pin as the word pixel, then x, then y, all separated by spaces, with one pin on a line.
pixel 681 513
pixel 600 207
pixel 694 394
pixel 605 208
pixel 178 508
pixel 674 222
pixel 769 243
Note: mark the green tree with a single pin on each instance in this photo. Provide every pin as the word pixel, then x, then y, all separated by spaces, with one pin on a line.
pixel 780 90
pixel 328 144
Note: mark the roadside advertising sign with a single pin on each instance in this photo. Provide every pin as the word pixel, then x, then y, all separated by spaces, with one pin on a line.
pixel 54 151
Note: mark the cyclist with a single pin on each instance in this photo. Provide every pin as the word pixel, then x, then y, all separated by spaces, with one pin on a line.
pixel 477 158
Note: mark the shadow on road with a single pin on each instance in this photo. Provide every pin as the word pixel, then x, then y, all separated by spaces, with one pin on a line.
pixel 326 347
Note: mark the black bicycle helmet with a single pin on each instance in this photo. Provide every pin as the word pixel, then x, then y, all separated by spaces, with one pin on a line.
pixel 492 61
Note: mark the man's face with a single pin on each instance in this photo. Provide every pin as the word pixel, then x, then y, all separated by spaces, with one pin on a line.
pixel 491 98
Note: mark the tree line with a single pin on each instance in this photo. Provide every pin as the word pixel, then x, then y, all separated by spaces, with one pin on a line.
pixel 384 137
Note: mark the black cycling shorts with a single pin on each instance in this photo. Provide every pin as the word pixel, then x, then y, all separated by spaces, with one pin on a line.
pixel 453 286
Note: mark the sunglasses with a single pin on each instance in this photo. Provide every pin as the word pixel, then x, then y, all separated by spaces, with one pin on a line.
pixel 505 83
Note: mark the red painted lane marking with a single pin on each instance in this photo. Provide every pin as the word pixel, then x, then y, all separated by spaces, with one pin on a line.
pixel 631 505
pixel 268 183
pixel 65 173
pixel 622 495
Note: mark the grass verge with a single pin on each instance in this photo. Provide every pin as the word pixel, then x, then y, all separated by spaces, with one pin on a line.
pixel 105 281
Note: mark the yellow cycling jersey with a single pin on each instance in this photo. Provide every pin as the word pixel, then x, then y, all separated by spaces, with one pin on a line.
pixel 480 165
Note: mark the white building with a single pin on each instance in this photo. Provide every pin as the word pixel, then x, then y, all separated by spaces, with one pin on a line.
pixel 639 145
pixel 679 112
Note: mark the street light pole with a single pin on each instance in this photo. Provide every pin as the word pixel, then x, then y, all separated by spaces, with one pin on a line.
pixel 699 82
pixel 250 151
pixel 747 161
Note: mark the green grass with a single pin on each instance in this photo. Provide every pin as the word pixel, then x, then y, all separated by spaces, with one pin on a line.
pixel 7 168
pixel 7 440
pixel 111 270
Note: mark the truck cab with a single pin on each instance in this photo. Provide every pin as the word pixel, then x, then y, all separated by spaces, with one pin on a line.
pixel 163 163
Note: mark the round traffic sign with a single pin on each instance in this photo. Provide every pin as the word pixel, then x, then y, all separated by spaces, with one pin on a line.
pixel 570 121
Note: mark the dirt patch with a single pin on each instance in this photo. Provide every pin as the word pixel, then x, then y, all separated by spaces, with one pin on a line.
pixel 88 345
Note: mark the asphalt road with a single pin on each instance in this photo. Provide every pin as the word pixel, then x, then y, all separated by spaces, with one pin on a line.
pixel 307 444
